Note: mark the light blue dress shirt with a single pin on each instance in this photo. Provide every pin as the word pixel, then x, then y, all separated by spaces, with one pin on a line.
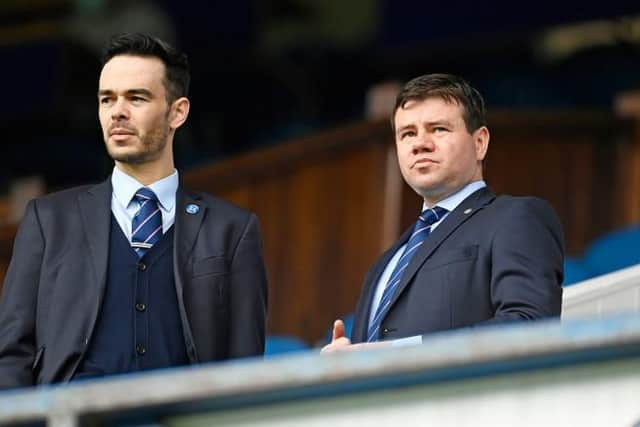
pixel 450 203
pixel 124 206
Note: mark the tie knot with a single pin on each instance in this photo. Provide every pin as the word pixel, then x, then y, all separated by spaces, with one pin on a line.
pixel 430 216
pixel 144 194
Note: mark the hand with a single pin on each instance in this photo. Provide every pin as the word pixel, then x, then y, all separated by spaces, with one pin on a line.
pixel 339 342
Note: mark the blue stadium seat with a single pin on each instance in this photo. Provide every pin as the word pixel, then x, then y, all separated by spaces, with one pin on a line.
pixel 279 344
pixel 575 271
pixel 613 251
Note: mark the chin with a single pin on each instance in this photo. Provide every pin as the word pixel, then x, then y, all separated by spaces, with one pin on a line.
pixel 425 185
pixel 126 156
pixel 427 189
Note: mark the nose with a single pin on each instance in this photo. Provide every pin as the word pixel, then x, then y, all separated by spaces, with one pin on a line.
pixel 119 110
pixel 423 144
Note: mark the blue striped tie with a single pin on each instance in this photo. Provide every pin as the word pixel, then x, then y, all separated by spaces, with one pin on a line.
pixel 146 226
pixel 420 231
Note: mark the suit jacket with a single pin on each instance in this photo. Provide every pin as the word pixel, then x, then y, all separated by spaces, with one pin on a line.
pixel 492 259
pixel 56 280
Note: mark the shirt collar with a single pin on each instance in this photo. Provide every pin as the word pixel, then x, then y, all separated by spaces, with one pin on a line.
pixel 125 187
pixel 452 202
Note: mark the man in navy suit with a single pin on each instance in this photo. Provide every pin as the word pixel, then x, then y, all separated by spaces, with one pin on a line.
pixel 473 258
pixel 137 272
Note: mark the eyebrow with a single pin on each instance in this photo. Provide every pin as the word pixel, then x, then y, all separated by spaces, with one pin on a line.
pixel 129 92
pixel 405 127
pixel 440 123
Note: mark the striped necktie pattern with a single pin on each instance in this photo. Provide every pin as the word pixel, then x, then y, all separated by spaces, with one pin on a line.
pixel 146 226
pixel 421 230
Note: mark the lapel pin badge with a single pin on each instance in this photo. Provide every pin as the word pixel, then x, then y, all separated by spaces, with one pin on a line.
pixel 468 211
pixel 192 209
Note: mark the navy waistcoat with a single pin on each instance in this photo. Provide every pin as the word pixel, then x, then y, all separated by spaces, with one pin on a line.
pixel 139 325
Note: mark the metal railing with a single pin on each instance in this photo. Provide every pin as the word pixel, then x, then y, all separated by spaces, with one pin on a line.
pixel 244 385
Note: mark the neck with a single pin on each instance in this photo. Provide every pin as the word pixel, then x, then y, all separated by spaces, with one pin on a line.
pixel 146 174
pixel 430 200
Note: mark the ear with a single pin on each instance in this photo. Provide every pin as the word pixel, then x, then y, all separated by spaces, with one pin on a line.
pixel 178 113
pixel 481 141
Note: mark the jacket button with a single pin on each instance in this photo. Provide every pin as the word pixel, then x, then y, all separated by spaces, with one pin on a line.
pixel 385 330
pixel 141 307
pixel 140 349
pixel 142 266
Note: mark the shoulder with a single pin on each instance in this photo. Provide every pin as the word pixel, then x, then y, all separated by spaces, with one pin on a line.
pixel 533 213
pixel 61 199
pixel 221 207
pixel 522 204
pixel 55 210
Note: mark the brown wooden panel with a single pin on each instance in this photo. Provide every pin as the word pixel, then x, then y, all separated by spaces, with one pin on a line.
pixel 321 200
pixel 7 234
pixel 571 160
pixel 322 217
pixel 628 193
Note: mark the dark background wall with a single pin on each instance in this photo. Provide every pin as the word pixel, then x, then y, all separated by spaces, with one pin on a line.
pixel 266 71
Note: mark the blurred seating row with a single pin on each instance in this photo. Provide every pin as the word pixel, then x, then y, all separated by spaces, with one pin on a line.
pixel 278 344
pixel 610 252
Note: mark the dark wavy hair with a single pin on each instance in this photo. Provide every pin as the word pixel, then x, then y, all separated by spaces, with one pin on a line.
pixel 177 74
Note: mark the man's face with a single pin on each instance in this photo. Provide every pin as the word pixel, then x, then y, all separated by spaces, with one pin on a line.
pixel 436 153
pixel 133 109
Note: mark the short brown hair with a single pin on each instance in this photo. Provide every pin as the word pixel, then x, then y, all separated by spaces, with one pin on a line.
pixel 450 88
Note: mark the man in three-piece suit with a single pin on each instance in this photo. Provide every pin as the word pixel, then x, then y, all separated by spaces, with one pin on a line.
pixel 137 272
pixel 472 257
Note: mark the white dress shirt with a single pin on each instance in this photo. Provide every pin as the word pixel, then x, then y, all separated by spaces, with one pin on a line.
pixel 124 206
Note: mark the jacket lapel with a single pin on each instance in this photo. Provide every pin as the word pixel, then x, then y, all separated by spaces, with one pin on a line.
pixel 95 211
pixel 465 210
pixel 190 212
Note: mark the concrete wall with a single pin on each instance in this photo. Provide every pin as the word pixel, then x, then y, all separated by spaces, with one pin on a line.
pixel 617 292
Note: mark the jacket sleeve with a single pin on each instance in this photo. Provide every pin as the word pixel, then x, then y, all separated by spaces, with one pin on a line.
pixel 527 263
pixel 19 303
pixel 248 294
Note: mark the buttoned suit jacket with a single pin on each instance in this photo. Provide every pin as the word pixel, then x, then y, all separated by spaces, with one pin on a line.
pixel 56 281
pixel 492 259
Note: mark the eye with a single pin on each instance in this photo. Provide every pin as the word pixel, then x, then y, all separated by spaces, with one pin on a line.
pixel 104 100
pixel 407 134
pixel 439 129
pixel 136 98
